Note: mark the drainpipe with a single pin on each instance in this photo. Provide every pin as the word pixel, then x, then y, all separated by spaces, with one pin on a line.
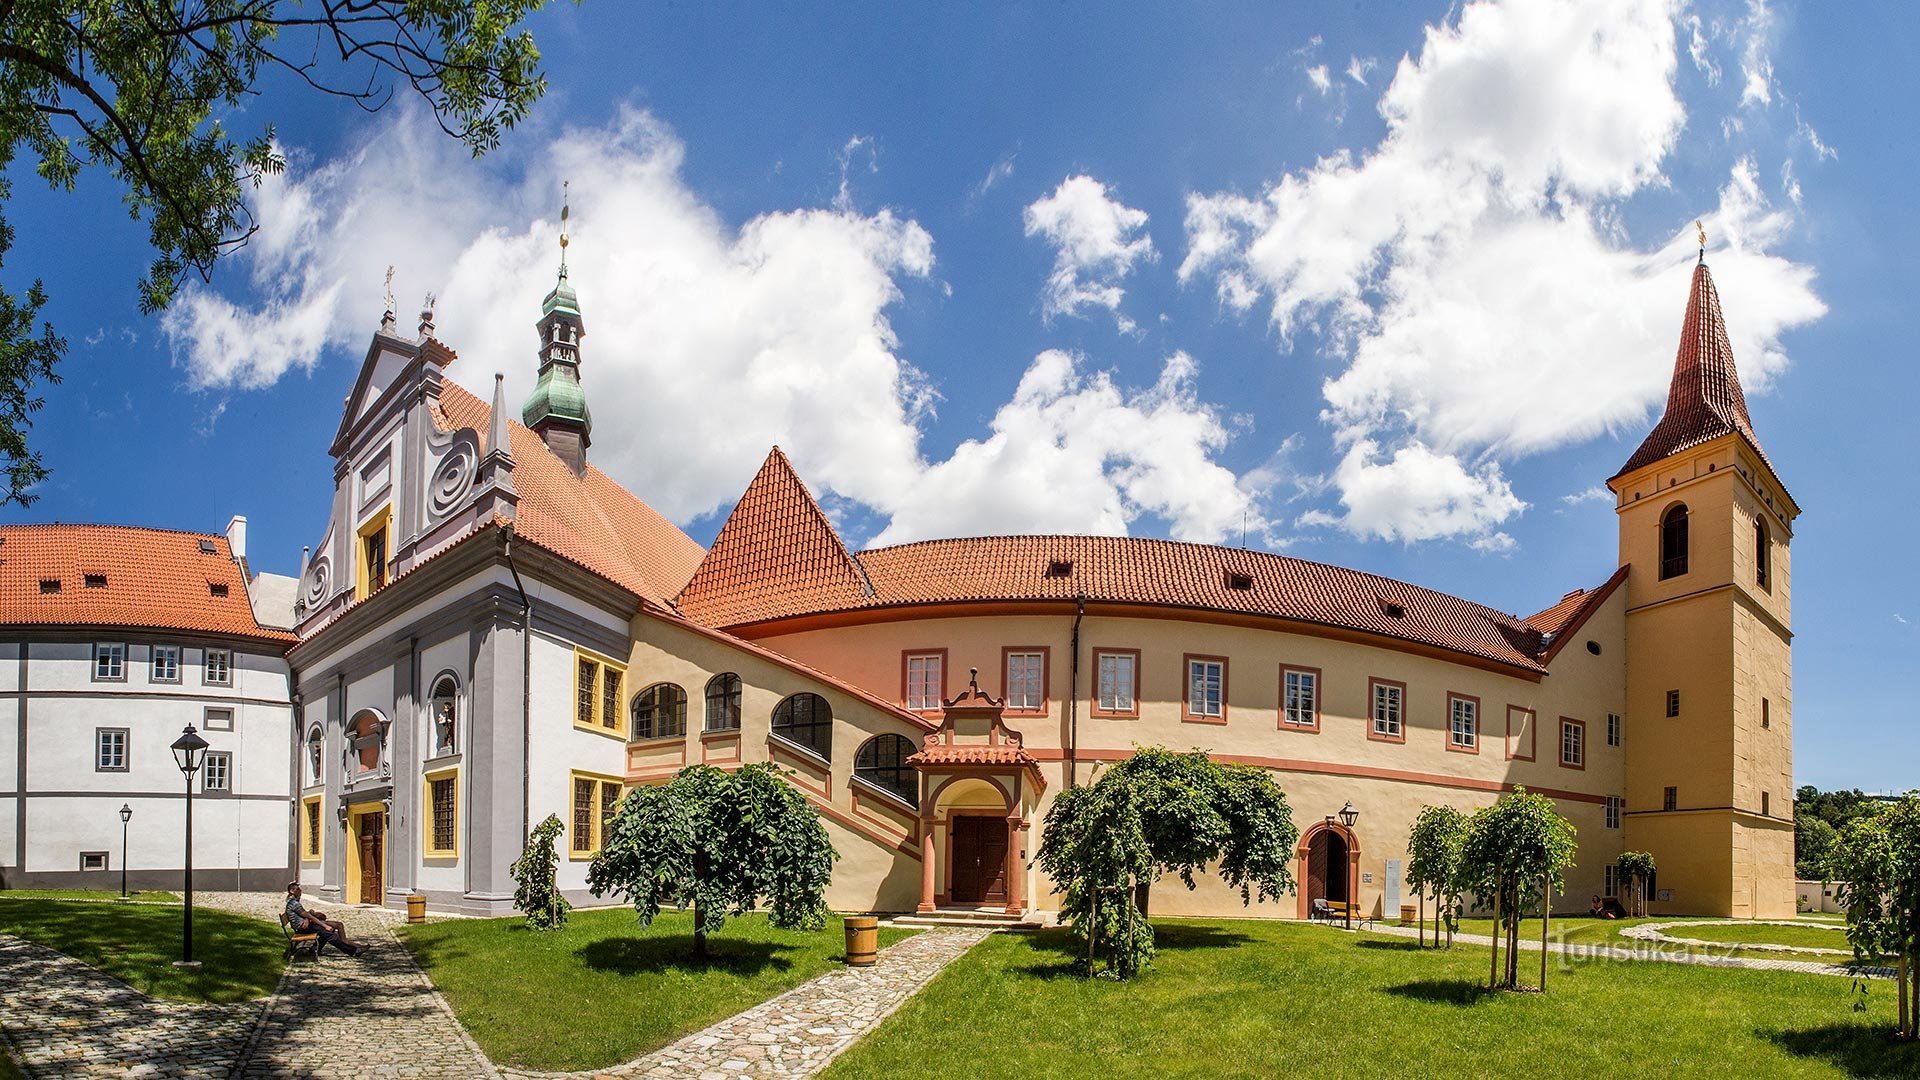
pixel 526 690
pixel 1073 692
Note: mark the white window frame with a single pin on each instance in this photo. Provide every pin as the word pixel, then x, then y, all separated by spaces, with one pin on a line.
pixel 1467 735
pixel 1393 725
pixel 1206 688
pixel 926 681
pixel 1616 729
pixel 121 755
pixel 207 677
pixel 208 714
pixel 1615 804
pixel 1573 745
pixel 1028 692
pixel 224 758
pixel 1113 693
pixel 112 656
pixel 171 651
pixel 1299 698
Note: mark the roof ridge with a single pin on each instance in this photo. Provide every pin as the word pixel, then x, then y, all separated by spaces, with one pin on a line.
pixel 110 525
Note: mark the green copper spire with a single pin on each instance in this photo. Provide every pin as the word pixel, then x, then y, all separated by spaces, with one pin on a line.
pixel 557 408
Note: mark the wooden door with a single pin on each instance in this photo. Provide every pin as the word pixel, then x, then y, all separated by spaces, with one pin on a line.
pixel 372 858
pixel 979 871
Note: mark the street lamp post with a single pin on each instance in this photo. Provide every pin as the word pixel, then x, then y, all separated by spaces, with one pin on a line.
pixel 126 815
pixel 1348 815
pixel 188 749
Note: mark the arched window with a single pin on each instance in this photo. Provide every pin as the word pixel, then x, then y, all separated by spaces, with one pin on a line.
pixel 364 737
pixel 882 762
pixel 314 742
pixel 806 719
pixel 443 715
pixel 1673 542
pixel 659 712
pixel 723 702
pixel 1762 554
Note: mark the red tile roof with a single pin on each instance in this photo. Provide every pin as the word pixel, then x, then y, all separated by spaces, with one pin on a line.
pixel 144 578
pixel 1561 621
pixel 969 754
pixel 589 520
pixel 777 551
pixel 1704 400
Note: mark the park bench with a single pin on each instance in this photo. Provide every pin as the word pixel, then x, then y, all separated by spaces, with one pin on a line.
pixel 1327 911
pixel 305 939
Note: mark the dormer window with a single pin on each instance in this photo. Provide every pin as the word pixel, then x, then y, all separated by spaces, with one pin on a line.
pixel 1393 610
pixel 49 585
pixel 216 588
pixel 207 547
pixel 1059 567
pixel 96 581
pixel 1236 580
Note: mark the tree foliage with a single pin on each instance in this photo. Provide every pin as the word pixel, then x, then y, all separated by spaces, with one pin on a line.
pixel 1161 812
pixel 538 895
pixel 1877 865
pixel 720 843
pixel 1813 841
pixel 1513 856
pixel 140 88
pixel 1818 817
pixel 1636 868
pixel 1434 846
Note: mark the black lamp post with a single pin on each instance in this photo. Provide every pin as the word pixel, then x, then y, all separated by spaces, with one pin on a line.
pixel 1348 815
pixel 126 815
pixel 188 749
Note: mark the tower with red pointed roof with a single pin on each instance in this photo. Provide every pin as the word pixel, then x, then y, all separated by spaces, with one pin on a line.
pixel 1705 531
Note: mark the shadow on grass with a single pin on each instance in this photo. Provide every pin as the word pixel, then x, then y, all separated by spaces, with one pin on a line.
pixel 1395 945
pixel 1059 952
pixel 1442 991
pixel 241 957
pixel 641 955
pixel 1858 1049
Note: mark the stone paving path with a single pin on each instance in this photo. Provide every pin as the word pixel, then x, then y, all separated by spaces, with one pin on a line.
pixel 378 1016
pixel 799 1032
pixel 1655 952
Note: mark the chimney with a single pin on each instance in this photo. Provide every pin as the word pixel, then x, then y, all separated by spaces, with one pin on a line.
pixel 237 540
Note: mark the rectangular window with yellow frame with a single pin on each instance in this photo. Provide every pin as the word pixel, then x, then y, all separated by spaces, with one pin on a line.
pixel 598 682
pixel 310 830
pixel 442 819
pixel 373 548
pixel 592 799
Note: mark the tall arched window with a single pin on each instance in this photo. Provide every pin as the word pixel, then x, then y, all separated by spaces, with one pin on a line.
pixel 1673 542
pixel 806 719
pixel 659 712
pixel 882 762
pixel 723 702
pixel 1762 554
pixel 314 743
pixel 443 716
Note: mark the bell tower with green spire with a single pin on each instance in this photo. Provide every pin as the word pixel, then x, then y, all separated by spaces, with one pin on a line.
pixel 557 409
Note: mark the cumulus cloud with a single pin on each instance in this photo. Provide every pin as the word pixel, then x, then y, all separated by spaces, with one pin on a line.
pixel 706 342
pixel 1097 241
pixel 1472 270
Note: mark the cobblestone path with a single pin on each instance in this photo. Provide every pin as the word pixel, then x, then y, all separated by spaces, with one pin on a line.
pixel 799 1032
pixel 1660 952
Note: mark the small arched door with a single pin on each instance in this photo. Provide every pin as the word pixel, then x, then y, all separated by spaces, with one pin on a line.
pixel 1327 877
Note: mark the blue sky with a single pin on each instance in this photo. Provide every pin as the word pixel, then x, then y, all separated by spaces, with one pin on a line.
pixel 1389 287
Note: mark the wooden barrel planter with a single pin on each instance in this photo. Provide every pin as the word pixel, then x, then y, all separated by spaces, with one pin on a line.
pixel 863 940
pixel 416 908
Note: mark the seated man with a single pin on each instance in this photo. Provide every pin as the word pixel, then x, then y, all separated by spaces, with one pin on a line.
pixel 303 920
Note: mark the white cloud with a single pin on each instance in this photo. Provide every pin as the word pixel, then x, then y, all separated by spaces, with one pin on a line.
pixel 1317 75
pixel 1700 49
pixel 1756 65
pixel 1073 452
pixel 706 343
pixel 1001 170
pixel 1419 495
pixel 1471 268
pixel 1596 493
pixel 1097 241
pixel 1359 68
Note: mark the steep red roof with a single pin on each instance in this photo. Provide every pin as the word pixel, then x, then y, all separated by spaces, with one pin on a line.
pixel 969 754
pixel 1704 400
pixel 589 519
pixel 777 551
pixel 141 578
pixel 1559 622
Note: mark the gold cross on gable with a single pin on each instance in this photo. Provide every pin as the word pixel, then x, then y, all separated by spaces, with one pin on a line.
pixel 1703 233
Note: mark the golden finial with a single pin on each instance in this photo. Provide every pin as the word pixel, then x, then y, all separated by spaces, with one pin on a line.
pixel 1702 229
pixel 566 211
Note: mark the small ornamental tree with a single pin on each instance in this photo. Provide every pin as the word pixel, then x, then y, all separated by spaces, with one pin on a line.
pixel 1636 869
pixel 719 843
pixel 538 896
pixel 1876 863
pixel 1093 845
pixel 1433 865
pixel 1514 853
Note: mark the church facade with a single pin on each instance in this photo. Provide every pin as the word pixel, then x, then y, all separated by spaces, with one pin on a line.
pixel 492 631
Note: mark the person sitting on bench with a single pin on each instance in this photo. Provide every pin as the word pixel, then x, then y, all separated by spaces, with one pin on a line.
pixel 304 920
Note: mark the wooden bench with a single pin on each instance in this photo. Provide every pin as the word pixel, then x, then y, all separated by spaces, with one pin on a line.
pixel 1328 911
pixel 305 939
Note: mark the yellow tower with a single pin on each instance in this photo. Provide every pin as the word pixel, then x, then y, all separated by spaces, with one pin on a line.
pixel 1705 530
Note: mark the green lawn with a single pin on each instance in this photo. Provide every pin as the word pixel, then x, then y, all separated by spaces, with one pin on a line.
pixel 602 990
pixel 1260 999
pixel 87 894
pixel 241 958
pixel 8 1070
pixel 1582 930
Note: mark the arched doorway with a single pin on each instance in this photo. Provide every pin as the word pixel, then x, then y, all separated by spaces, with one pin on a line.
pixel 1329 865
